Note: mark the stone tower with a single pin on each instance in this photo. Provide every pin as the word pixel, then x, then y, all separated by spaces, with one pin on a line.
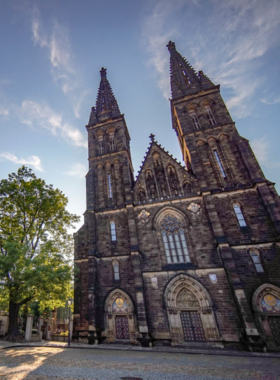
pixel 180 254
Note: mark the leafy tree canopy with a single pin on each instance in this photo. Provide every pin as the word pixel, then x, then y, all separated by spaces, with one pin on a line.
pixel 35 247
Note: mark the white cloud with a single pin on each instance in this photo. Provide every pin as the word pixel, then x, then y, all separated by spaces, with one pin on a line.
pixel 34 113
pixel 63 71
pixel 33 161
pixel 270 102
pixel 4 111
pixel 260 147
pixel 78 171
pixel 226 39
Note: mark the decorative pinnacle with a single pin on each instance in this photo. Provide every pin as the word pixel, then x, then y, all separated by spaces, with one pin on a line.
pixel 152 136
pixel 103 73
pixel 170 45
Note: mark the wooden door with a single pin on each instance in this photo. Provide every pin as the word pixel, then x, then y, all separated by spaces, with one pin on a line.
pixel 122 330
pixel 192 326
pixel 274 323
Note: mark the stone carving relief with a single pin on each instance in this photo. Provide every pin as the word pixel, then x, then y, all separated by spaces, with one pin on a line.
pixel 151 184
pixel 187 300
pixel 144 215
pixel 161 182
pixel 187 188
pixel 141 195
pixel 194 207
pixel 173 181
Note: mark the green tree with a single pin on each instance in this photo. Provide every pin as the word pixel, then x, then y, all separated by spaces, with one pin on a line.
pixel 35 246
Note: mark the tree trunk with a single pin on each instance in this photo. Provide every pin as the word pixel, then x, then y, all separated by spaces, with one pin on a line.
pixel 13 331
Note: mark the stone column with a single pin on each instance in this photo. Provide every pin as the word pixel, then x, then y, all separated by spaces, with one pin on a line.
pixel 40 321
pixel 48 327
pixel 28 328
pixel 71 329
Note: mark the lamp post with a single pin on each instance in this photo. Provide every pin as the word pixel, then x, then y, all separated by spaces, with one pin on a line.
pixel 69 304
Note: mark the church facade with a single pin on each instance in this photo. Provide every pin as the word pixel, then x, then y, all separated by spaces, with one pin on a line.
pixel 179 254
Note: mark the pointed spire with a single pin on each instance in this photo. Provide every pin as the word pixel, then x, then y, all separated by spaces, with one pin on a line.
pixel 106 105
pixel 184 79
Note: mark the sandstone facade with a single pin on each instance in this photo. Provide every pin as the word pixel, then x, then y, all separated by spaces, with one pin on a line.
pixel 181 254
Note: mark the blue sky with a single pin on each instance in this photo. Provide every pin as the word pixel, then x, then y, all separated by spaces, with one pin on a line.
pixel 52 51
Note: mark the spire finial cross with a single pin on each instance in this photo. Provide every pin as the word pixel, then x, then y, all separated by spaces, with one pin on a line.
pixel 152 136
pixel 170 45
pixel 103 73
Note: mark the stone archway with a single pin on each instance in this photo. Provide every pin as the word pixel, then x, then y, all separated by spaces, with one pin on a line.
pixel 266 305
pixel 190 312
pixel 120 321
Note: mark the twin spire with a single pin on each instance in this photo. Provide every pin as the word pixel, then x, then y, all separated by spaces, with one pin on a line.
pixel 183 78
pixel 106 105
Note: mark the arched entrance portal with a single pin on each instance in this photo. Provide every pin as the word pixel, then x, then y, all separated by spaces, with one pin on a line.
pixel 266 304
pixel 190 313
pixel 120 317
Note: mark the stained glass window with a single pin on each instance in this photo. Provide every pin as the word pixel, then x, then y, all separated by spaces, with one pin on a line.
pixel 174 240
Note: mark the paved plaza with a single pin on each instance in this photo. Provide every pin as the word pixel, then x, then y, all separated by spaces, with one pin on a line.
pixel 54 363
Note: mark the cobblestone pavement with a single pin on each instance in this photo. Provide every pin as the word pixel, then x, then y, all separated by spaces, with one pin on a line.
pixel 53 363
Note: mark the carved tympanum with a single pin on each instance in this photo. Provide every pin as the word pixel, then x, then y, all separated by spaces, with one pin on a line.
pixel 186 299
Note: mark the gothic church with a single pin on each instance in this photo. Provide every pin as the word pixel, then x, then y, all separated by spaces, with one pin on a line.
pixel 179 254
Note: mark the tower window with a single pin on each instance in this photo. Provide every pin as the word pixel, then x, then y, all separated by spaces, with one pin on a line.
pixel 174 241
pixel 109 186
pixel 239 215
pixel 116 269
pixel 209 115
pixel 257 262
pixel 100 144
pixel 194 119
pixel 113 231
pixel 219 163
pixel 112 141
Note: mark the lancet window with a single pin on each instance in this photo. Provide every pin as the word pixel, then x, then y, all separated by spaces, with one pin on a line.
pixel 219 163
pixel 112 140
pixel 113 231
pixel 257 262
pixel 239 215
pixel 100 144
pixel 194 118
pixel 174 240
pixel 116 269
pixel 110 194
pixel 209 115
